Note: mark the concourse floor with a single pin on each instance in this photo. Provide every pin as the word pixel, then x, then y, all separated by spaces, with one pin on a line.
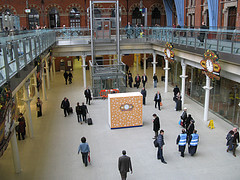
pixel 52 153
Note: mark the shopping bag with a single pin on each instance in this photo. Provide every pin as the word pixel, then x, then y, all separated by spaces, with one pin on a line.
pixel 160 103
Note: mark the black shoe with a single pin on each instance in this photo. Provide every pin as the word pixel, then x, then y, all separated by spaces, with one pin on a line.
pixel 182 155
pixel 164 162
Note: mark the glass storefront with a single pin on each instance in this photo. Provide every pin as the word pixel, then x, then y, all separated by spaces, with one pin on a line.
pixel 224 96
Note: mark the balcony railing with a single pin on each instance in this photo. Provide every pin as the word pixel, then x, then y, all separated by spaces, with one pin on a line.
pixel 18 51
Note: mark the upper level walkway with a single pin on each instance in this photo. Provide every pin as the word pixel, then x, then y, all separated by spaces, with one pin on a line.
pixel 17 51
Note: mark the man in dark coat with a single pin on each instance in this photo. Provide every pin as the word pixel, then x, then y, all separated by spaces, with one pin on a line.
pixel 201 37
pixel 190 128
pixel 144 94
pixel 79 112
pixel 65 77
pixel 161 142
pixel 158 100
pixel 130 79
pixel 181 141
pixel 84 111
pixel 235 140
pixel 88 96
pixel 156 125
pixel 184 117
pixel 144 79
pixel 21 127
pixel 137 81
pixel 70 76
pixel 65 106
pixel 188 120
pixel 176 90
pixel 124 165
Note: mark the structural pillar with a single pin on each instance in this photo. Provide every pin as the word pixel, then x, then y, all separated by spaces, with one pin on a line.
pixel 154 63
pixel 84 71
pixel 35 83
pixel 144 63
pixel 15 153
pixel 47 73
pixel 53 66
pixel 110 59
pixel 51 72
pixel 183 76
pixel 44 86
pixel 27 102
pixel 137 56
pixel 166 75
pixel 207 94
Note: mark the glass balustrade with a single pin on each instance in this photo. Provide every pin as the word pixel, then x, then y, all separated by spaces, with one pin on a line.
pixel 19 50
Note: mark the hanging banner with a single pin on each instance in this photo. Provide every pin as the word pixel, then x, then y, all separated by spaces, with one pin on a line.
pixel 169 54
pixel 210 65
pixel 7 114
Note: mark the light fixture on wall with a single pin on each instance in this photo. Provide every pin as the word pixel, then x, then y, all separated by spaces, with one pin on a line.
pixel 27 10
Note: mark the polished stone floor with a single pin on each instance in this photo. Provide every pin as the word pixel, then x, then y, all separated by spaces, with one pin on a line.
pixel 52 153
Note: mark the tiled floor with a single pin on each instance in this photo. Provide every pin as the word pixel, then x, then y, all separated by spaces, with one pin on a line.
pixel 52 153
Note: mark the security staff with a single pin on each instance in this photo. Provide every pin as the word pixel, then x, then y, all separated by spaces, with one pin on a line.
pixel 181 141
pixel 193 142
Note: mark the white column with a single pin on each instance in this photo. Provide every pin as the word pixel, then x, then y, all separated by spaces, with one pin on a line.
pixel 207 93
pixel 137 55
pixel 144 63
pixel 15 153
pixel 84 71
pixel 47 73
pixel 166 75
pixel 154 63
pixel 27 102
pixel 183 76
pixel 53 66
pixel 51 71
pixel 35 83
pixel 44 86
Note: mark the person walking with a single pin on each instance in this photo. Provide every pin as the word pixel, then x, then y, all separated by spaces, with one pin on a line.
pixel 178 101
pixel 79 112
pixel 190 128
pixel 88 96
pixel 144 94
pixel 155 80
pixel 184 117
pixel 181 141
pixel 161 143
pixel 84 112
pixel 158 100
pixel 65 106
pixel 65 75
pixel 188 121
pixel 85 150
pixel 70 76
pixel 201 36
pixel 39 107
pixel 235 140
pixel 130 80
pixel 175 91
pixel 229 138
pixel 144 80
pixel 193 142
pixel 21 127
pixel 137 81
pixel 156 125
pixel 124 165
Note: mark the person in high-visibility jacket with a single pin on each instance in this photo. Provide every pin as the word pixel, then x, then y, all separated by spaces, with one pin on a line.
pixel 182 141
pixel 193 142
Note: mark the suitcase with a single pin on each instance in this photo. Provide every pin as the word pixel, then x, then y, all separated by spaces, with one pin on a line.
pixel 89 121
pixel 70 110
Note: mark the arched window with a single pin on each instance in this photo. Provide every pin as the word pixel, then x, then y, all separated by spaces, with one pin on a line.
pixel 137 17
pixel 54 18
pixel 33 19
pixel 7 12
pixel 156 17
pixel 74 18
pixel 113 14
